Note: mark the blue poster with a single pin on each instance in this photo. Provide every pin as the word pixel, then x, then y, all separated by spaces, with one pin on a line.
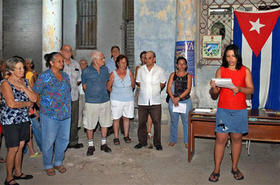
pixel 186 49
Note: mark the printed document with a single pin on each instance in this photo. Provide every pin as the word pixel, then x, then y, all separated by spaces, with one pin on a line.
pixel 181 108
pixel 224 82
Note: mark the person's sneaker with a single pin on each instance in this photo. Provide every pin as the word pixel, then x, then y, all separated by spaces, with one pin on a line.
pixel 139 145
pixel 105 148
pixel 158 147
pixel 76 146
pixel 90 150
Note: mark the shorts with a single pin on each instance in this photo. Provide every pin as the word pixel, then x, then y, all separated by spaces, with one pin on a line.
pixel 232 121
pixel 120 108
pixel 15 133
pixel 97 112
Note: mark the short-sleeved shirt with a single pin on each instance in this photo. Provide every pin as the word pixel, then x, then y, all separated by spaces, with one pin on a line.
pixel 74 71
pixel 15 115
pixel 55 95
pixel 150 85
pixel 111 65
pixel 96 90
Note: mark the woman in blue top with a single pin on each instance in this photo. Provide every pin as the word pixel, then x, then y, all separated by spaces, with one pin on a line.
pixel 179 89
pixel 17 98
pixel 121 84
pixel 54 89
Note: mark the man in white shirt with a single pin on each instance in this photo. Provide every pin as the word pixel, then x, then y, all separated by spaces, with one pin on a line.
pixel 151 80
pixel 73 69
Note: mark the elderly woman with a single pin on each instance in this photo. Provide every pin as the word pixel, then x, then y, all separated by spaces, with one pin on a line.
pixel 53 86
pixel 17 97
pixel 121 83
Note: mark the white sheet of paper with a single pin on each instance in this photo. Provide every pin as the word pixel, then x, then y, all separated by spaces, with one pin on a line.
pixel 181 108
pixel 224 82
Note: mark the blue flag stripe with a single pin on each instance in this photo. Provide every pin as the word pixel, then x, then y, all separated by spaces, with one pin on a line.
pixel 273 100
pixel 256 65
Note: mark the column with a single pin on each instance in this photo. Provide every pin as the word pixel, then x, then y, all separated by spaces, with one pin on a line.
pixel 51 27
pixel 186 37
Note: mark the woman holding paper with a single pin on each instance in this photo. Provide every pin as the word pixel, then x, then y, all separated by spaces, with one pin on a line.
pixel 179 88
pixel 231 116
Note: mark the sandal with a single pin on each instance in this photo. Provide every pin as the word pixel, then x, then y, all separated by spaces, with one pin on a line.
pixel 61 169
pixel 23 176
pixel 214 177
pixel 9 182
pixel 116 141
pixel 127 139
pixel 50 171
pixel 237 174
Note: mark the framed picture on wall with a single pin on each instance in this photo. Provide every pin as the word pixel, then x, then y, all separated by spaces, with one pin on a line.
pixel 212 47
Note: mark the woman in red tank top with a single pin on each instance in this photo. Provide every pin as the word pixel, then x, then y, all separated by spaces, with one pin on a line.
pixel 231 117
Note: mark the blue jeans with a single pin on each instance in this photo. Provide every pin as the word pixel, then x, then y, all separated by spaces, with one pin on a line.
pixel 37 132
pixel 174 116
pixel 54 132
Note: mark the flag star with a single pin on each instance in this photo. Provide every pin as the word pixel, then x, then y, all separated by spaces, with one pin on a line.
pixel 256 26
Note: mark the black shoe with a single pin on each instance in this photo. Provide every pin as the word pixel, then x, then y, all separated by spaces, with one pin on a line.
pixel 105 148
pixel 9 182
pixel 90 150
pixel 158 147
pixel 23 176
pixel 76 146
pixel 139 145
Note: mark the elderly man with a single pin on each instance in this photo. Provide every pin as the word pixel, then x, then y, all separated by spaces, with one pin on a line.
pixel 151 80
pixel 72 68
pixel 97 107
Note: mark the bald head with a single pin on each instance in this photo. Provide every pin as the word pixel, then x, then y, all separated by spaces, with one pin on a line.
pixel 66 51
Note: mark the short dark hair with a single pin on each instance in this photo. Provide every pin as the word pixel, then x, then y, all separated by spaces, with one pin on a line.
pixel 142 53
pixel 237 54
pixel 119 58
pixel 50 57
pixel 182 58
pixel 113 47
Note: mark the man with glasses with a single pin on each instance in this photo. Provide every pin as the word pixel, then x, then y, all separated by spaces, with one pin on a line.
pixel 151 80
pixel 97 107
pixel 72 68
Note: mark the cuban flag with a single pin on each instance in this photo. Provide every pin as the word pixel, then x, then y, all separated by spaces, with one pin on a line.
pixel 257 34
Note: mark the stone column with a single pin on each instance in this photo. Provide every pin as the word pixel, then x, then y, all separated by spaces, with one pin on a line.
pixel 186 22
pixel 51 27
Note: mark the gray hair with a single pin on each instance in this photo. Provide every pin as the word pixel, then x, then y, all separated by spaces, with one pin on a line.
pixel 12 62
pixel 95 54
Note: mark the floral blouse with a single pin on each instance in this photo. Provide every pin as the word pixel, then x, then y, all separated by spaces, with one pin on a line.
pixel 55 95
pixel 14 115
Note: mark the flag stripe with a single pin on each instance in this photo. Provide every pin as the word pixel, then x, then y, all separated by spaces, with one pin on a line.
pixel 273 101
pixel 265 71
pixel 256 65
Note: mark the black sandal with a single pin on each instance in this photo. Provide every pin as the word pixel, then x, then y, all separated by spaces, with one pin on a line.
pixel 127 139
pixel 116 141
pixel 9 182
pixel 237 174
pixel 214 177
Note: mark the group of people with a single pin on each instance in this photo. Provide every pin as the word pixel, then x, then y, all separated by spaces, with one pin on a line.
pixel 70 94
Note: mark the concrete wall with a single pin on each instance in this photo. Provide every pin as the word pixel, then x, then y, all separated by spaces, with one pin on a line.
pixel 109 26
pixel 22 29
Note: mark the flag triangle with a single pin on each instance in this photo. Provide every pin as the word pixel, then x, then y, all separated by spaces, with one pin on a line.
pixel 257 27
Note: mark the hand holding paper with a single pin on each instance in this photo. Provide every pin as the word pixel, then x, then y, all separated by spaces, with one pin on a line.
pixel 224 82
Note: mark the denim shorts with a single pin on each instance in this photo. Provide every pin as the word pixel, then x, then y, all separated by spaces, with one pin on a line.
pixel 232 121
